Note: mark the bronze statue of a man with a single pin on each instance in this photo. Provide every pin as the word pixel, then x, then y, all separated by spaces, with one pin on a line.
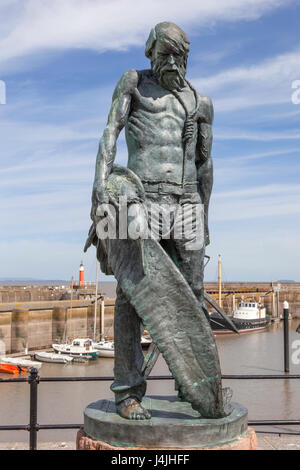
pixel 169 137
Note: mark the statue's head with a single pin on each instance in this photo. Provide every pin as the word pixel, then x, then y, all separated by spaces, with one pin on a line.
pixel 167 47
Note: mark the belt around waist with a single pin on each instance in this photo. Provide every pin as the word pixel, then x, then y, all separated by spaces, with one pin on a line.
pixel 169 188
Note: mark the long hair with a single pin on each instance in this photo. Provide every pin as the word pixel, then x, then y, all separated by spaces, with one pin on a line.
pixel 168 33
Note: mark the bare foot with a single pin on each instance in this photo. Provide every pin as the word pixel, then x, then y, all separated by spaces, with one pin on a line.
pixel 132 409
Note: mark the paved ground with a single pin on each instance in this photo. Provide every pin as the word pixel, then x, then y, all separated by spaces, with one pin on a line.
pixel 265 442
pixel 41 446
pixel 275 442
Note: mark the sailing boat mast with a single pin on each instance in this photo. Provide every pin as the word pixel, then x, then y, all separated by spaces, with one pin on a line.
pixel 69 313
pixel 220 281
pixel 96 300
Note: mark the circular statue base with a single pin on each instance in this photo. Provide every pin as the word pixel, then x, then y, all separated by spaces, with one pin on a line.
pixel 173 425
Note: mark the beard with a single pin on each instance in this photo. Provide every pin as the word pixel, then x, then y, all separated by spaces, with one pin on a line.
pixel 169 77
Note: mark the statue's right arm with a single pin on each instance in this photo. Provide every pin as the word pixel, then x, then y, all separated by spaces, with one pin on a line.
pixel 118 114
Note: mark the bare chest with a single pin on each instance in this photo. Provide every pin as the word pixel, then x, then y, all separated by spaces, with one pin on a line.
pixel 158 105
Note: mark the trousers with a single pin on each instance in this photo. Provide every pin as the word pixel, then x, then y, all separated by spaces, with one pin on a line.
pixel 129 381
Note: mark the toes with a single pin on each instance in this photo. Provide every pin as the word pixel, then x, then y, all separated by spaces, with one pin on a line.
pixel 137 412
pixel 140 415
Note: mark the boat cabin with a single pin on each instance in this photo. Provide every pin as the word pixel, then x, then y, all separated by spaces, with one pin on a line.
pixel 83 343
pixel 249 310
pixel 248 304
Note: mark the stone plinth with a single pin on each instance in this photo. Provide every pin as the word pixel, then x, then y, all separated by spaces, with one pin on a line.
pixel 174 425
pixel 246 442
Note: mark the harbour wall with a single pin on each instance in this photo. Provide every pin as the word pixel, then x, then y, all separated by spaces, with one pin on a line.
pixel 37 325
pixel 233 292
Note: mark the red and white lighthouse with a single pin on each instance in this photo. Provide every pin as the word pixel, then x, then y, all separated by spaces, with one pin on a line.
pixel 81 275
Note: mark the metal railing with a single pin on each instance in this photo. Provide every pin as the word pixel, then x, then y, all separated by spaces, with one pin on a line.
pixel 33 380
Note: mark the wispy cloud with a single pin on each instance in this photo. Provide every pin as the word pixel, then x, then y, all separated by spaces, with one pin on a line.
pixel 256 156
pixel 265 83
pixel 282 66
pixel 100 25
pixel 35 132
pixel 49 140
pixel 260 136
pixel 257 202
pixel 45 259
pixel 271 189
pixel 254 250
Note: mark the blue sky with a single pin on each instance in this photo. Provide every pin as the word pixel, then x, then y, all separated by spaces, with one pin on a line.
pixel 60 62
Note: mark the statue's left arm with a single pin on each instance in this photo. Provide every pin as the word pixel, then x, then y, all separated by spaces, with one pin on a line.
pixel 204 162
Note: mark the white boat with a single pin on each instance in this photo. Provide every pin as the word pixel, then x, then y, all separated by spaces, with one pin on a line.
pixel 250 311
pixel 16 361
pixel 249 316
pixel 44 356
pixel 80 347
pixel 105 348
pixel 146 340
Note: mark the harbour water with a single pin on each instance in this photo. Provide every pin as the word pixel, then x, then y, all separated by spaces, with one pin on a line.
pixel 252 353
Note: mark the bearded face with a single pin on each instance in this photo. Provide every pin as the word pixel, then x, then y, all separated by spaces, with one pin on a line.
pixel 168 66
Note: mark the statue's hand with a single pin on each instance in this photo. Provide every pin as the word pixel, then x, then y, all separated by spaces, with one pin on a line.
pixel 99 196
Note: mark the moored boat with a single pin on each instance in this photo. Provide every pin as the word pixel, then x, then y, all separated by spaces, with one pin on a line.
pixel 12 369
pixel 80 347
pixel 44 356
pixel 146 340
pixel 105 348
pixel 250 316
pixel 23 363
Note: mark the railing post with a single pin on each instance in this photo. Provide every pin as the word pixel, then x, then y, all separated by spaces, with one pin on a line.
pixel 33 381
pixel 286 336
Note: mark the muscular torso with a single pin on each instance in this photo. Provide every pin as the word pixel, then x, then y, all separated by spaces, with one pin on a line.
pixel 154 131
